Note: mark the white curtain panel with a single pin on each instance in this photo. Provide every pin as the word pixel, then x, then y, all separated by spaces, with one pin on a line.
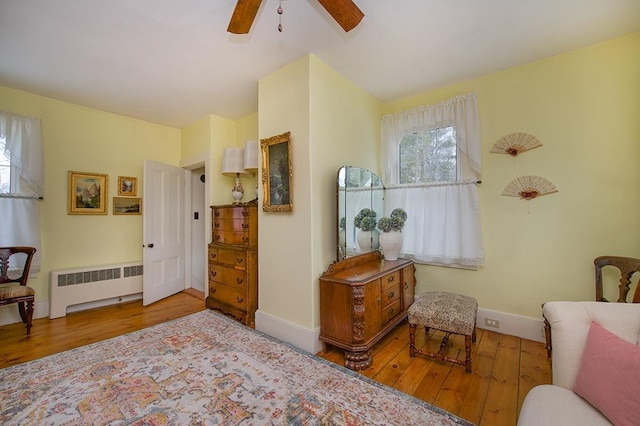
pixel 443 224
pixel 21 140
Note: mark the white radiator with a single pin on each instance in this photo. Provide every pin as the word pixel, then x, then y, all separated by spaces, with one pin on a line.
pixel 83 285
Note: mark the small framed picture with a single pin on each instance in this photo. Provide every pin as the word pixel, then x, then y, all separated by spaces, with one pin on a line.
pixel 127 205
pixel 87 193
pixel 127 185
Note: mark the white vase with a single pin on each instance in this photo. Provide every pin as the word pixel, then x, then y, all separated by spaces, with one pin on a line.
pixel 368 240
pixel 391 244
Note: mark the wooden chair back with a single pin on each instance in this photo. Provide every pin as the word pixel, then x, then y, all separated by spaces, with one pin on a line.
pixel 21 294
pixel 627 267
pixel 5 255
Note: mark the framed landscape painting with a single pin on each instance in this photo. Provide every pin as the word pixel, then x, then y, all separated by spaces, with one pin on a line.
pixel 277 174
pixel 127 205
pixel 87 193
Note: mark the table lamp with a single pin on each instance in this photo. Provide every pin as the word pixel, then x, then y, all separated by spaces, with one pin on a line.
pixel 233 165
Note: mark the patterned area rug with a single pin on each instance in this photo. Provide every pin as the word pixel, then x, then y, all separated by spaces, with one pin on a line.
pixel 200 369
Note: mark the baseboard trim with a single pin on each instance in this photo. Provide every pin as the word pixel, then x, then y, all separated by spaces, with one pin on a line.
pixel 514 325
pixel 303 338
pixel 9 313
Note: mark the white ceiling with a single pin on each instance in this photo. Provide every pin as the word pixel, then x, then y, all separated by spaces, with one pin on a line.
pixel 172 61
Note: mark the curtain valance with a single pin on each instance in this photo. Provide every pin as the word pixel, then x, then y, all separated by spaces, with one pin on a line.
pixel 461 112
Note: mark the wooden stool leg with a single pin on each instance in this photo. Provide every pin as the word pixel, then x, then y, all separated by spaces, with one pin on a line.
pixel 412 340
pixel 467 349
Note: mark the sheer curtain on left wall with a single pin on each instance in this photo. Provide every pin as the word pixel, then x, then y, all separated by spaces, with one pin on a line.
pixel 21 143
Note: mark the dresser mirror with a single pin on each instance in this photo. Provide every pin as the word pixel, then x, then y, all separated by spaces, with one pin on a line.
pixel 357 189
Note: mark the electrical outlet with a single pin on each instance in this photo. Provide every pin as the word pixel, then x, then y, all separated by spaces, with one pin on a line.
pixel 491 323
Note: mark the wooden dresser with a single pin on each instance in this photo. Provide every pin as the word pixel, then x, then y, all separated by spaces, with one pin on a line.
pixel 233 262
pixel 362 298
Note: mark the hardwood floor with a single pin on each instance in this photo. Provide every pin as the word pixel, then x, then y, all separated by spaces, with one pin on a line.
pixel 504 367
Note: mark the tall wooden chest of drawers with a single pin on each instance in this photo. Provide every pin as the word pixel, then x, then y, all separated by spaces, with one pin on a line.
pixel 362 298
pixel 233 262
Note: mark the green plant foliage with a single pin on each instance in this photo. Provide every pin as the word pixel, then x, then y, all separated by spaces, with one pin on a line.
pixel 395 222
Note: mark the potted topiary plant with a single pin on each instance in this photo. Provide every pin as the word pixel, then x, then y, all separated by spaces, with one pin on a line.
pixel 391 238
pixel 368 236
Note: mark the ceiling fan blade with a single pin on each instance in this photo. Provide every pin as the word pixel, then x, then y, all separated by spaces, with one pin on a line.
pixel 345 12
pixel 243 16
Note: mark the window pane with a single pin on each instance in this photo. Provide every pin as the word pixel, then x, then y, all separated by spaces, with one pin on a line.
pixel 428 156
pixel 5 173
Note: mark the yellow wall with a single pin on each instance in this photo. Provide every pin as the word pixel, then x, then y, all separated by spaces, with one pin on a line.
pixel 345 129
pixel 584 106
pixel 331 122
pixel 285 238
pixel 89 140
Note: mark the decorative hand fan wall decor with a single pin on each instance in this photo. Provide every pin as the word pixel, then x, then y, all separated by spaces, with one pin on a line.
pixel 345 12
pixel 529 187
pixel 515 143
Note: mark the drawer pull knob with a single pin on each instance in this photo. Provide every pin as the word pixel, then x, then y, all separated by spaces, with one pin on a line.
pixel 245 226
pixel 391 294
pixel 214 273
pixel 378 301
pixel 391 279
pixel 239 260
pixel 239 281
pixel 216 225
pixel 406 285
pixel 245 213
pixel 214 255
pixel 213 290
pixel 216 237
pixel 239 299
pixel 216 213
pixel 245 239
pixel 392 312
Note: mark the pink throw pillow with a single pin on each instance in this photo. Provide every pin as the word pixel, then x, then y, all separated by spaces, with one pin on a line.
pixel 609 376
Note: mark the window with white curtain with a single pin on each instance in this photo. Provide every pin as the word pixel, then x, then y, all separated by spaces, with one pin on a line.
pixel 21 183
pixel 431 158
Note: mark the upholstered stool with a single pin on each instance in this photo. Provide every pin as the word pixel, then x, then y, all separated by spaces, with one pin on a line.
pixel 448 312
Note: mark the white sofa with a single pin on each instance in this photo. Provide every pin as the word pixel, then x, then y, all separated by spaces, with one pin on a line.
pixel 570 322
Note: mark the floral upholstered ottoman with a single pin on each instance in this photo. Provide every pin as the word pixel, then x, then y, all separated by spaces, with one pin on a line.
pixel 447 312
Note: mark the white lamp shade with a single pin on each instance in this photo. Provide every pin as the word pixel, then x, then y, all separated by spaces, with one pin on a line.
pixel 251 155
pixel 233 162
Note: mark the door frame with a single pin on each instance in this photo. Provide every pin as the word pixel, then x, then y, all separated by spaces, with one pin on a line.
pixel 193 163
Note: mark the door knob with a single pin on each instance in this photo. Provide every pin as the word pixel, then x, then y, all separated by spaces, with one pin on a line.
pixel 150 245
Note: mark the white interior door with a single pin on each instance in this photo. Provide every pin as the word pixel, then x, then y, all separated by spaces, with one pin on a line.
pixel 163 231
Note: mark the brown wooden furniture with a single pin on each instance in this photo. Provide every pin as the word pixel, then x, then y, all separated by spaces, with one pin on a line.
pixel 627 267
pixel 233 262
pixel 15 289
pixel 363 298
